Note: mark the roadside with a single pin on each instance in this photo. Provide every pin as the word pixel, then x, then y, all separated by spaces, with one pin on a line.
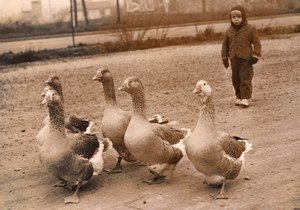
pixel 116 30
pixel 126 40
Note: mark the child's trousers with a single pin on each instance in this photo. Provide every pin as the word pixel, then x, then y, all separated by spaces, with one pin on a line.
pixel 242 74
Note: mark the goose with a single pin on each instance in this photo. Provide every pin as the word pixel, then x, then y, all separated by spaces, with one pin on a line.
pixel 74 124
pixel 216 154
pixel 84 145
pixel 157 145
pixel 63 155
pixel 115 120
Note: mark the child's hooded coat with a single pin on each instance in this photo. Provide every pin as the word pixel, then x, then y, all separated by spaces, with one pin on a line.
pixel 241 41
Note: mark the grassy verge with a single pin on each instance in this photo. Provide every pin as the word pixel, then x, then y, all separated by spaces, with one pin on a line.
pixel 131 40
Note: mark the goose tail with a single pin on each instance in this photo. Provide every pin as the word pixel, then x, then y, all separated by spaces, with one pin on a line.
pixel 180 145
pixel 89 128
pixel 107 144
pixel 248 147
pixel 187 131
pixel 97 160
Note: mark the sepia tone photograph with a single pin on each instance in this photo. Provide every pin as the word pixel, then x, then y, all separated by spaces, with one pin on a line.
pixel 150 104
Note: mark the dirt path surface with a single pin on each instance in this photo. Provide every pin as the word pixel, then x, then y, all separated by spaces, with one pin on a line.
pixel 270 179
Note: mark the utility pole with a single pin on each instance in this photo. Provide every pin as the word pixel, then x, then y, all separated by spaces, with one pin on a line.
pixel 75 14
pixel 72 22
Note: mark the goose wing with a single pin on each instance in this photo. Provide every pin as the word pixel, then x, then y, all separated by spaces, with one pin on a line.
pixel 218 162
pixel 84 145
pixel 77 170
pixel 231 145
pixel 169 133
pixel 77 125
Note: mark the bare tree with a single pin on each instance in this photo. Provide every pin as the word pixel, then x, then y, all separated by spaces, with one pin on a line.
pixel 72 26
pixel 85 12
pixel 204 6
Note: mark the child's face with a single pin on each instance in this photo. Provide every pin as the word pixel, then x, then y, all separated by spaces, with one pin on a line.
pixel 236 17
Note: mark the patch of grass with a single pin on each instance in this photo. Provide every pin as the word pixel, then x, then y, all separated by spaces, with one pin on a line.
pixel 269 31
pixel 131 44
pixel 19 29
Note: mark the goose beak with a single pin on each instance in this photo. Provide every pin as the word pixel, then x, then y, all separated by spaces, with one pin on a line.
pixel 43 94
pixel 95 78
pixel 98 76
pixel 47 99
pixel 197 90
pixel 48 80
pixel 123 87
pixel 44 101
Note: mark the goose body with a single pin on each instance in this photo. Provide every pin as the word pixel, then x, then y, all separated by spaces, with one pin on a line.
pixel 73 159
pixel 115 120
pixel 86 145
pixel 218 155
pixel 151 143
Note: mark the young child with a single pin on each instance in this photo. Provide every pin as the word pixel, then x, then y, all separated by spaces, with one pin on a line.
pixel 242 46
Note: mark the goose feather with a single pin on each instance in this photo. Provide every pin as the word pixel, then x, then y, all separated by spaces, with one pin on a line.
pixel 216 154
pixel 67 157
pixel 151 143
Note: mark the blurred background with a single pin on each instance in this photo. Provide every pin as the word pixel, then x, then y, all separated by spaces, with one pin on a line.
pixel 31 30
pixel 33 17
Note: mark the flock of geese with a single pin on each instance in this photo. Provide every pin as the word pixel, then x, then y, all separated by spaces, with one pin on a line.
pixel 70 152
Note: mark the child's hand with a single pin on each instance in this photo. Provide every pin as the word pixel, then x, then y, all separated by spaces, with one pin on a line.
pixel 226 63
pixel 253 60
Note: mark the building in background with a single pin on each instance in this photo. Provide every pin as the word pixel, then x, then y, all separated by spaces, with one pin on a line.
pixel 206 6
pixel 95 9
pixel 46 11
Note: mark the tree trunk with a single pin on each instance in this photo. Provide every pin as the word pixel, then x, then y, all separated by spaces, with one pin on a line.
pixel 72 24
pixel 85 12
pixel 204 6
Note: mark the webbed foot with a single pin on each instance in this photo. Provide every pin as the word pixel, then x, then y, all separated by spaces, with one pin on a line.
pixel 154 180
pixel 60 183
pixel 116 169
pixel 73 198
pixel 222 194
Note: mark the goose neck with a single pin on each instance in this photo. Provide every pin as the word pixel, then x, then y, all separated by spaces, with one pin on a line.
pixel 207 113
pixel 57 118
pixel 139 105
pixel 109 93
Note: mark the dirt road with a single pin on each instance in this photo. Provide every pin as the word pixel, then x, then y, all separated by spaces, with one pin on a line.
pixel 270 179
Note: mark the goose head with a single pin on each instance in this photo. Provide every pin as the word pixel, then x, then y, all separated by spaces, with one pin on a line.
pixel 203 90
pixel 43 94
pixel 52 98
pixel 54 82
pixel 102 75
pixel 131 85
